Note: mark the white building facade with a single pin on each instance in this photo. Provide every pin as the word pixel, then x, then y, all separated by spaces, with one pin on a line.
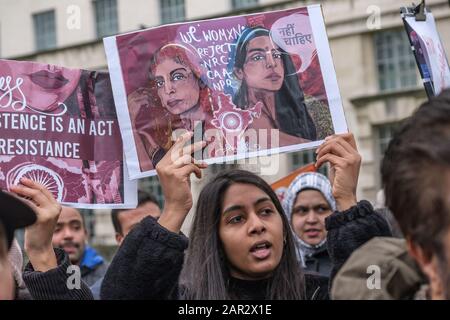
pixel 376 70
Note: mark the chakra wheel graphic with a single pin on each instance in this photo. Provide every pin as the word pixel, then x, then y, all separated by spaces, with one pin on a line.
pixel 42 175
pixel 231 121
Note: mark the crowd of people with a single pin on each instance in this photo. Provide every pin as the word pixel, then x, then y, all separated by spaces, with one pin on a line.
pixel 244 243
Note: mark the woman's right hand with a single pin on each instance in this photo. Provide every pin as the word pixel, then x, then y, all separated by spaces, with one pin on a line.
pixel 38 237
pixel 174 172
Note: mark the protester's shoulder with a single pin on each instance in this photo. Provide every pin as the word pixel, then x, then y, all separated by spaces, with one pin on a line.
pixel 316 287
pixel 400 276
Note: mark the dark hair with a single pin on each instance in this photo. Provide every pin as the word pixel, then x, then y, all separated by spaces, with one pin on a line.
pixel 415 173
pixel 292 115
pixel 143 198
pixel 205 273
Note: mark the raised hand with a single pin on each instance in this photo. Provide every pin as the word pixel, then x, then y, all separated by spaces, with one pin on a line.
pixel 342 154
pixel 38 237
pixel 174 172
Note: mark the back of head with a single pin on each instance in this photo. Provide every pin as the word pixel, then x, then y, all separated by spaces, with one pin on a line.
pixel 416 173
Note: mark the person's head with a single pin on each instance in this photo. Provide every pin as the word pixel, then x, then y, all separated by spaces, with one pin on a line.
pixel 44 86
pixel 416 179
pixel 14 214
pixel 125 220
pixel 240 231
pixel 259 61
pixel 178 79
pixel 70 234
pixel 309 200
pixel 261 67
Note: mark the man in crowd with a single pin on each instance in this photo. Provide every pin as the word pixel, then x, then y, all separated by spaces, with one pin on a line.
pixel 71 235
pixel 125 220
pixel 416 179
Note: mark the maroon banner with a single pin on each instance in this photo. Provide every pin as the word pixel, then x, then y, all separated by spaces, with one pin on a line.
pixel 59 127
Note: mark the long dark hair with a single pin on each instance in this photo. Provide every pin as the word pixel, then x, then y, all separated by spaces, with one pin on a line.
pixel 205 273
pixel 292 115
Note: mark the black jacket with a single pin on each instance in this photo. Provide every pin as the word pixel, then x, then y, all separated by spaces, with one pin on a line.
pixel 149 262
pixel 53 284
pixel 319 262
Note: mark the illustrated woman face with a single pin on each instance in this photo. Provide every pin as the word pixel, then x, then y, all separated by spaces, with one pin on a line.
pixel 251 231
pixel 44 86
pixel 263 68
pixel 177 86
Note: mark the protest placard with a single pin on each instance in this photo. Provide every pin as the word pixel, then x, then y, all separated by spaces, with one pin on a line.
pixel 58 126
pixel 428 51
pixel 249 85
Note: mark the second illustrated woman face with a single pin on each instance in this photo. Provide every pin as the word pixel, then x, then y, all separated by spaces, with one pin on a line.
pixel 263 67
pixel 177 86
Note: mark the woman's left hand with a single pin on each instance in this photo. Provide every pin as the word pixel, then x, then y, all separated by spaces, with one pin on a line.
pixel 341 152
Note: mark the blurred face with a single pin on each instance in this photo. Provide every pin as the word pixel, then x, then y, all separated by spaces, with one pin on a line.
pixel 251 232
pixel 436 266
pixel 177 86
pixel 7 284
pixel 70 234
pixel 130 218
pixel 263 68
pixel 444 268
pixel 43 87
pixel 308 216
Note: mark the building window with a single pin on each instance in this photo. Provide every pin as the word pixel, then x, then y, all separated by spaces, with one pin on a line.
pixel 303 158
pixel 241 4
pixel 172 11
pixel 153 186
pixel 395 61
pixel 106 17
pixel 385 133
pixel 45 30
